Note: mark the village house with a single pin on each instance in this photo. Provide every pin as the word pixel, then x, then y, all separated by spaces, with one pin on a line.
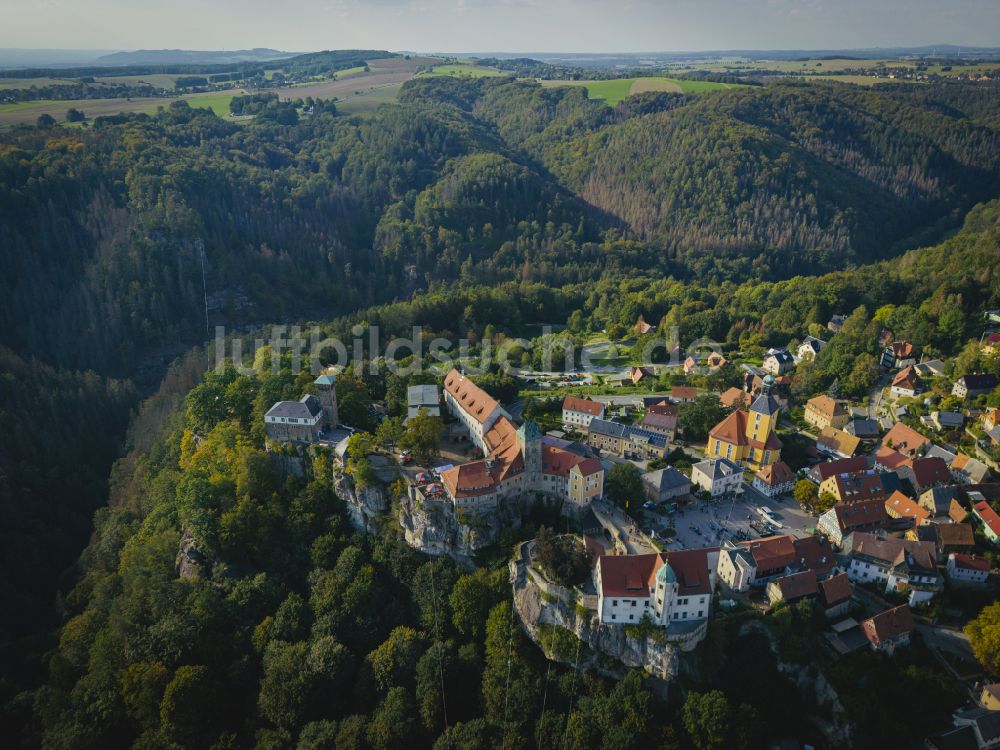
pixel 659 405
pixel 717 476
pixel 990 418
pixel 937 500
pixel 989 698
pixel 906 383
pixel 774 480
pixel 865 429
pixel 899 565
pixel 673 589
pixel 713 362
pixel 899 354
pixel 641 374
pixel 987 517
pixel 969 386
pixel 967 569
pixel 966 470
pixel 889 630
pixel 778 361
pixel 900 506
pixel 837 443
pixel 946 537
pixel 990 343
pixel 822 412
pixel 810 347
pixel 627 441
pixel 641 327
pixel 945 420
pixel 956 512
pixel 793 588
pixel 759 561
pixel 748 437
pixel 735 398
pixel 835 595
pixel 822 471
pixel 836 323
pixel 844 519
pixel 305 420
pixel 863 485
pixel 683 394
pixel 666 485
pixel 925 473
pixel 930 368
pixel 662 424
pixel 905 440
pixel 578 412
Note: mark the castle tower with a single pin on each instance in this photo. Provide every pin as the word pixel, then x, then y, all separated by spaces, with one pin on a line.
pixel 529 440
pixel 666 592
pixel 327 391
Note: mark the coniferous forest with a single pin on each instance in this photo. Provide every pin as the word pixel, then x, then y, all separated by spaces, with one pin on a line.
pixel 478 205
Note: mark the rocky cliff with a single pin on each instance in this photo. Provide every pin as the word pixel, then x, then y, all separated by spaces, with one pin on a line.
pixel 363 504
pixel 605 649
pixel 434 527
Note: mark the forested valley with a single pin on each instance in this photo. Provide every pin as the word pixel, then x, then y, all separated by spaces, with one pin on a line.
pixel 470 204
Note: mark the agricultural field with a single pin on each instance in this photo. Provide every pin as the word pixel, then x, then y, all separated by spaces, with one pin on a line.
pixel 160 80
pixel 614 90
pixel 25 113
pixel 858 79
pixel 461 70
pixel 27 83
pixel 369 100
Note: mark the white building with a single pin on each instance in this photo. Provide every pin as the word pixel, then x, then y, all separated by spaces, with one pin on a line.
pixel 810 347
pixel 717 476
pixel 898 564
pixel 674 589
pixel 578 412
pixel 422 398
pixel 778 361
pixel 472 406
pixel 967 569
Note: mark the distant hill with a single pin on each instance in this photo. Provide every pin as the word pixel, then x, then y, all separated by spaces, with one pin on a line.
pixel 191 57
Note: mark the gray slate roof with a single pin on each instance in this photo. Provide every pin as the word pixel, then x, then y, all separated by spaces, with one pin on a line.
pixel 306 408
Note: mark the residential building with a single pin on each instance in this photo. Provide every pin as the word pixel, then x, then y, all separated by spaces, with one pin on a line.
pixel 666 485
pixel 473 407
pixel 899 354
pixel 717 476
pixel 987 517
pixel 863 485
pixel 899 565
pixel 778 361
pixel 683 393
pixel 793 588
pixel 423 398
pixel 946 537
pixel 930 368
pixel 659 405
pixel 641 327
pixel 641 374
pixel 820 472
pixel 966 470
pixel 674 589
pixel 624 440
pixel 937 500
pixel 905 440
pixel 889 630
pixel 822 412
pixel 974 385
pixel 906 383
pixel 944 420
pixel 662 424
pixel 967 569
pixel 774 480
pixel 578 412
pixel 810 347
pixel 985 725
pixel 900 506
pixel 837 443
pixel 929 472
pixel 735 398
pixel 989 698
pixel 748 437
pixel 760 561
pixel 865 429
pixel 836 323
pixel 990 418
pixel 957 512
pixel 844 519
pixel 835 595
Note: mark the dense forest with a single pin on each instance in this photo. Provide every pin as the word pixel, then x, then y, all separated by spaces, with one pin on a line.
pixel 482 206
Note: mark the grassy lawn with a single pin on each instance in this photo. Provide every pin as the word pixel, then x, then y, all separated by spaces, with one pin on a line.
pixel 28 112
pixel 369 100
pixel 613 91
pixel 461 70
pixel 27 83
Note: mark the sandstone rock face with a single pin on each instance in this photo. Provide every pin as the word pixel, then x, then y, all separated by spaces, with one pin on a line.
pixel 190 562
pixel 606 649
pixel 362 504
pixel 433 527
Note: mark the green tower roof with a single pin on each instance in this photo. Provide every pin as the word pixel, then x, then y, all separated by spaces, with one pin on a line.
pixel 529 430
pixel 324 379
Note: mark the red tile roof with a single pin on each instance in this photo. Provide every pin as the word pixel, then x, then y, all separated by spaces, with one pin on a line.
pixel 684 392
pixel 732 429
pixel 889 624
pixel 860 514
pixel 835 590
pixel 775 474
pixel 663 407
pixel 904 439
pixel 906 378
pixel 691 568
pixel 971 562
pixel 892 459
pixel 988 515
pixel 628 575
pixel 473 400
pixel 928 471
pixel 899 505
pixel 583 405
pixel 841 466
pixel 772 552
pixel 734 397
pixel 798 585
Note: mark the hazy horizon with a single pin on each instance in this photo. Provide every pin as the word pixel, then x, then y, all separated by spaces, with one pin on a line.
pixel 511 26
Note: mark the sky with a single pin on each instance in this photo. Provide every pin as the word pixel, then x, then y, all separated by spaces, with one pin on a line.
pixel 497 25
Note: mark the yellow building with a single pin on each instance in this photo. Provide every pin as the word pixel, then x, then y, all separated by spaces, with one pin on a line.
pixel 748 437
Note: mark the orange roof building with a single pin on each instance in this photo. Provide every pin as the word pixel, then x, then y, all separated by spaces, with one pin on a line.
pixel 748 437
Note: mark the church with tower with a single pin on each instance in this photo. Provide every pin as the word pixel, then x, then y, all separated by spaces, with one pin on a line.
pixel 748 437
